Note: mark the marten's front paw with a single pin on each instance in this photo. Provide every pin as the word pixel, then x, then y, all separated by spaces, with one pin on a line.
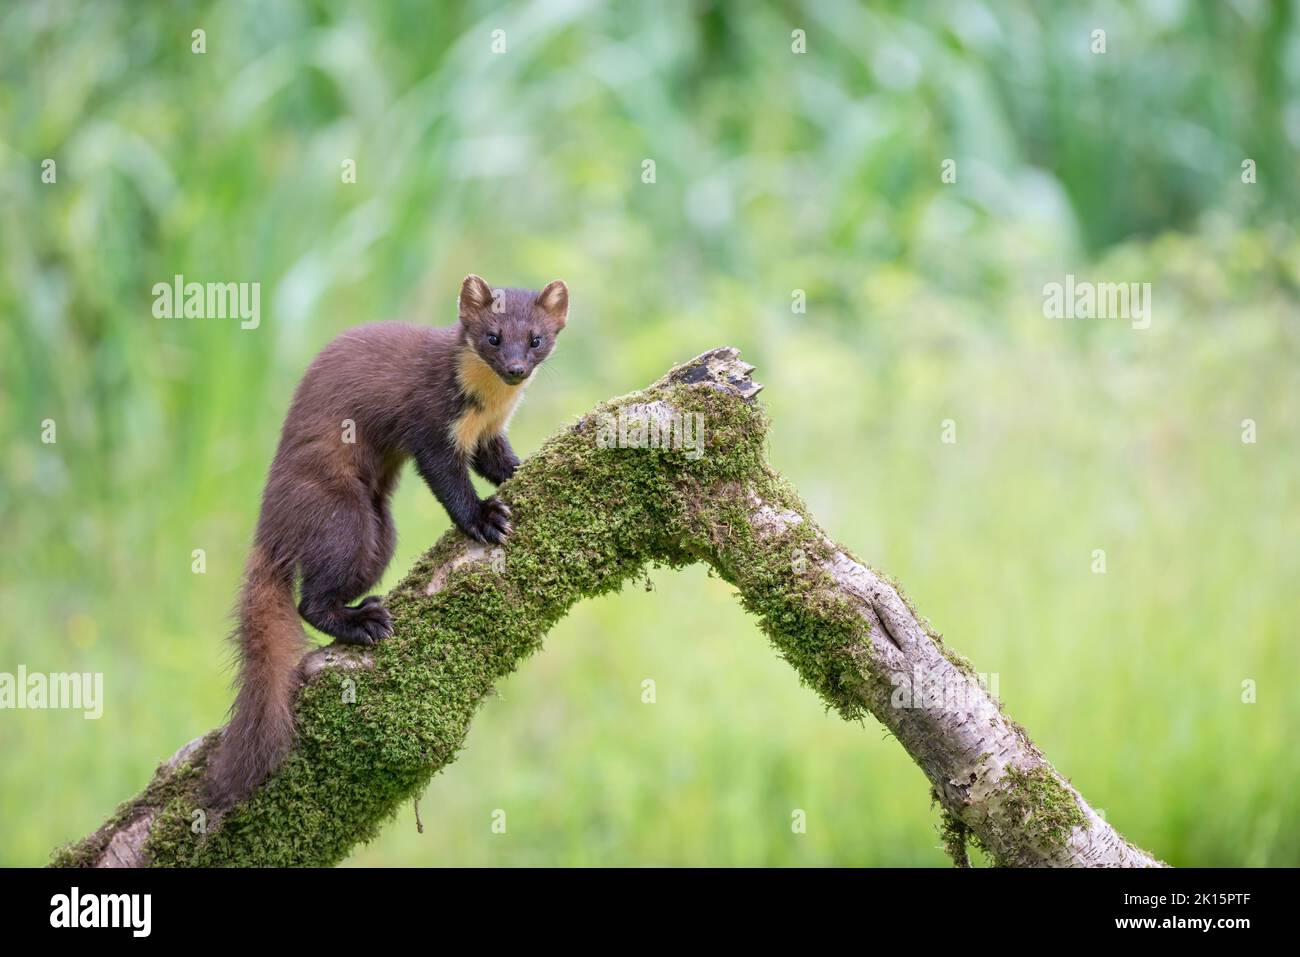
pixel 507 467
pixel 497 468
pixel 492 524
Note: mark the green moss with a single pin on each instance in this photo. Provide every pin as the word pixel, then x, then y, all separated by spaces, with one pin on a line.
pixel 1034 810
pixel 955 834
pixel 167 784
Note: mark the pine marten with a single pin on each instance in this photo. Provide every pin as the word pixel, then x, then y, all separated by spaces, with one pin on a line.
pixel 374 397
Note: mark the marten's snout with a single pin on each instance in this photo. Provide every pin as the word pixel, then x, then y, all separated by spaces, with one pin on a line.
pixel 515 372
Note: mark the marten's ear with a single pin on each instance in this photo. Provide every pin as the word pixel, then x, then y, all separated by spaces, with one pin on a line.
pixel 554 300
pixel 475 294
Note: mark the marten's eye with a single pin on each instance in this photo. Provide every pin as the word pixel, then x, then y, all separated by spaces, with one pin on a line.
pixel 494 339
pixel 536 341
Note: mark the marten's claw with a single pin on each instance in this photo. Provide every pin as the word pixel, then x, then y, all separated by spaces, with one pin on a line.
pixel 493 524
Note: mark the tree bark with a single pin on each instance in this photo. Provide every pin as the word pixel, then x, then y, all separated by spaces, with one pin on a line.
pixel 670 475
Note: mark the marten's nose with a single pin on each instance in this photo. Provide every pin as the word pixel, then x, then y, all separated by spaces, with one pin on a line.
pixel 517 371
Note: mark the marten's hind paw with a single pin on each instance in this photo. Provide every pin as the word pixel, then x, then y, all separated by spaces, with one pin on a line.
pixel 369 622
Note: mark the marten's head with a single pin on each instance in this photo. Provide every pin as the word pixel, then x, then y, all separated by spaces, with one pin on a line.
pixel 512 330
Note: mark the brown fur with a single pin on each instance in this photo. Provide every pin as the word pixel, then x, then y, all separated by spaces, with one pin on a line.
pixel 271 641
pixel 442 397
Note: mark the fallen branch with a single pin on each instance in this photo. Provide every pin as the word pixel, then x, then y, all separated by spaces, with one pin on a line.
pixel 375 726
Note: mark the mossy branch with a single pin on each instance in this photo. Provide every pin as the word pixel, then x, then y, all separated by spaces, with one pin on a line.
pixel 374 727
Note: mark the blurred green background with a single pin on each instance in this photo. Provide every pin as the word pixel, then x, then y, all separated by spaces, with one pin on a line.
pixel 774 172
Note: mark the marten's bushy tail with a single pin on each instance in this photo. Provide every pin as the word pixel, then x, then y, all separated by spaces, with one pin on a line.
pixel 271 642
